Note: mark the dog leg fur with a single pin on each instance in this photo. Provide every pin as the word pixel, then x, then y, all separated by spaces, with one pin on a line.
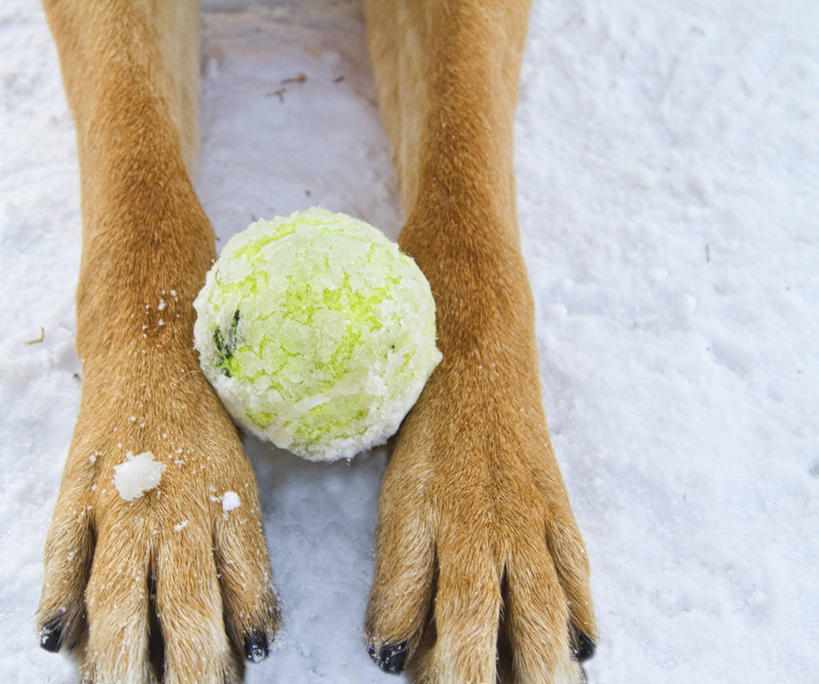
pixel 477 549
pixel 130 72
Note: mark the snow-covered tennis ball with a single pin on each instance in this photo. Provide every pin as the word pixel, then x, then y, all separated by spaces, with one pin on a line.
pixel 316 332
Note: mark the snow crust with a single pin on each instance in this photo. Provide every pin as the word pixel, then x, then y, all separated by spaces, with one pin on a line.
pixel 316 332
pixel 137 475
pixel 668 161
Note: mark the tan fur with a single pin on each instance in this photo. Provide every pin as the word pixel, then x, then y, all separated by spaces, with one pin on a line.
pixel 477 551
pixel 130 86
pixel 491 501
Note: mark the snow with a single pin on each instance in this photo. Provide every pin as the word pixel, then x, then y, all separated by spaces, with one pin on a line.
pixel 230 500
pixel 668 161
pixel 137 474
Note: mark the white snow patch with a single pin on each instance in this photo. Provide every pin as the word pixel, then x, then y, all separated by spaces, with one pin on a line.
pixel 181 526
pixel 137 475
pixel 230 500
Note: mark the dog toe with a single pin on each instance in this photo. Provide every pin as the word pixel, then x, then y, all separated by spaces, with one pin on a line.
pixel 403 584
pixel 251 609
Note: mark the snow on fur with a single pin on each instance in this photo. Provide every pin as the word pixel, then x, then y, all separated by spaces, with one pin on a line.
pixel 137 475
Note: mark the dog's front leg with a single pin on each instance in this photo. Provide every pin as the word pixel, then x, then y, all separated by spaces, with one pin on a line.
pixel 172 557
pixel 480 569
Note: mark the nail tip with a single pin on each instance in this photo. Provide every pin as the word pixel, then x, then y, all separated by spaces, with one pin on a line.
pixel 585 647
pixel 51 637
pixel 257 647
pixel 390 657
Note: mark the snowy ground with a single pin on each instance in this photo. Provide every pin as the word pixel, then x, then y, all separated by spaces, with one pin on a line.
pixel 668 165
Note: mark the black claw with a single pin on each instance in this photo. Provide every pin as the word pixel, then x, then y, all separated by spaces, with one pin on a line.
pixel 390 658
pixel 584 647
pixel 51 636
pixel 256 646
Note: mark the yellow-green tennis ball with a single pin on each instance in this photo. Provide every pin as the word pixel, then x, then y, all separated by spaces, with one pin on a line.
pixel 316 332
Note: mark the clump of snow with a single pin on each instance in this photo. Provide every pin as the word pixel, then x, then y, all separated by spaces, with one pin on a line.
pixel 230 500
pixel 181 526
pixel 137 475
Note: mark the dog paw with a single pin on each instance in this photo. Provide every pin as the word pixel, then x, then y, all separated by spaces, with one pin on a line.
pixel 481 573
pixel 171 585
